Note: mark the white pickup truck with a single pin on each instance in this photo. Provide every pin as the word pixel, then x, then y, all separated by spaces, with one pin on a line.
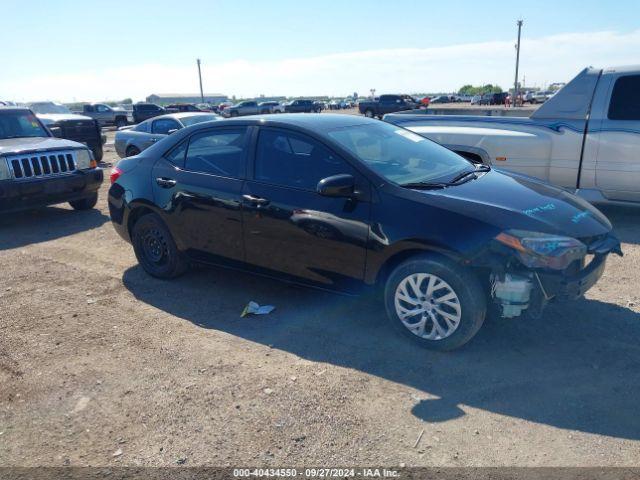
pixel 586 138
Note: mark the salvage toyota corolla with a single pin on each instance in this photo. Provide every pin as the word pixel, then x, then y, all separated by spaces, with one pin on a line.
pixel 340 202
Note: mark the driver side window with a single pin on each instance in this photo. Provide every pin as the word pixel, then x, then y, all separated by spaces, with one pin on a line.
pixel 219 152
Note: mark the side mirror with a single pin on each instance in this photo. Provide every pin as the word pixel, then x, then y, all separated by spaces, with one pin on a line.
pixel 56 131
pixel 342 185
pixel 172 130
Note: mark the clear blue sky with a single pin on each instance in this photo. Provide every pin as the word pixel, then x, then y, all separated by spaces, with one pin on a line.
pixel 66 36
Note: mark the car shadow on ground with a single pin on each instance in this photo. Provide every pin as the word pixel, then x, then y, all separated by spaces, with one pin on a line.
pixel 577 367
pixel 42 225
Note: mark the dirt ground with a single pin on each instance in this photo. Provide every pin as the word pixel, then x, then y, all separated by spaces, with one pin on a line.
pixel 102 365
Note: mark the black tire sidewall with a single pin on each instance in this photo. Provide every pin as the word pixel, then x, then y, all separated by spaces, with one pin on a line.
pixel 98 154
pixel 175 265
pixel 464 283
pixel 85 203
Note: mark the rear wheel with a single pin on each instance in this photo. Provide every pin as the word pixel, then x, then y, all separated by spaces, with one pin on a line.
pixel 121 122
pixel 86 203
pixel 435 302
pixel 155 248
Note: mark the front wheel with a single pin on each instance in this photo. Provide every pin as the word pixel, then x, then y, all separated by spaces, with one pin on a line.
pixel 86 203
pixel 155 248
pixel 435 302
pixel 98 153
pixel 368 113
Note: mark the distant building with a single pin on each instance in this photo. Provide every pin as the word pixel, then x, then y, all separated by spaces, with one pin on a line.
pixel 168 98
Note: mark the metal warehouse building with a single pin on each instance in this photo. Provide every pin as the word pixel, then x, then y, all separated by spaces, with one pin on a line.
pixel 168 98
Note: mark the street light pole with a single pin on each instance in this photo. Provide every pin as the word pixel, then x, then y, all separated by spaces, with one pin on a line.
pixel 515 85
pixel 200 77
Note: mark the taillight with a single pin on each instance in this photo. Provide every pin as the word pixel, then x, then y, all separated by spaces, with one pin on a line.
pixel 115 174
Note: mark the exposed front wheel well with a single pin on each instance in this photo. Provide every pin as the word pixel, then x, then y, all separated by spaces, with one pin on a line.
pixel 392 262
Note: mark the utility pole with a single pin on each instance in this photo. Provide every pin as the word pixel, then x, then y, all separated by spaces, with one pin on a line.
pixel 200 77
pixel 515 85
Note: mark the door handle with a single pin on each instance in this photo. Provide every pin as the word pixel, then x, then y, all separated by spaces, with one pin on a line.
pixel 153 140
pixel 255 200
pixel 166 182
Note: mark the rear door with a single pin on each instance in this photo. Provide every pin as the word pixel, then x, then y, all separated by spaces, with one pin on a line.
pixel 290 229
pixel 618 141
pixel 199 187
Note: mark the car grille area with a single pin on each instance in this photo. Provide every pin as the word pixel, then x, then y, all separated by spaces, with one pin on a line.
pixel 42 164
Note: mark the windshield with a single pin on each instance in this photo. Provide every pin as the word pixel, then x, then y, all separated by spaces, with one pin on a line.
pixel 399 155
pixel 20 124
pixel 44 108
pixel 187 121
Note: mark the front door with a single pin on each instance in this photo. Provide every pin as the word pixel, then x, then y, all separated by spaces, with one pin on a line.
pixel 618 142
pixel 292 230
pixel 199 187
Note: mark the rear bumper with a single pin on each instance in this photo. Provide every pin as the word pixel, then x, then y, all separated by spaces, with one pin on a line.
pixel 21 195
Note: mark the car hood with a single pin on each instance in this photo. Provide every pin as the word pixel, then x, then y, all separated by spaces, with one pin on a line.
pixel 30 144
pixel 49 118
pixel 512 201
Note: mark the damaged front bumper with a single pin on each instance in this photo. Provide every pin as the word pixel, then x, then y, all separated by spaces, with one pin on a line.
pixel 517 288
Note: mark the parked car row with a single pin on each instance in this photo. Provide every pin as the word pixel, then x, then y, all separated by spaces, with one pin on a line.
pixel 387 104
pixel 331 201
pixel 252 107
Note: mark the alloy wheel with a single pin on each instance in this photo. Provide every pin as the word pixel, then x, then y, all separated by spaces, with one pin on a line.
pixel 427 306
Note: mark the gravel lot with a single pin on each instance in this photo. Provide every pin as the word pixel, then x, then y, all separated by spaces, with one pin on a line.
pixel 103 365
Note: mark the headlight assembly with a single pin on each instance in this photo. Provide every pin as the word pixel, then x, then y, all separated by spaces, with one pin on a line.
pixel 5 173
pixel 542 250
pixel 84 159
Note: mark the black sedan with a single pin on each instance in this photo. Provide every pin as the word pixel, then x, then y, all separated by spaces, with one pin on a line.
pixel 341 202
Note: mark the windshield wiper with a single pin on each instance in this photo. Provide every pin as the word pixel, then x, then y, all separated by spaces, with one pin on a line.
pixel 455 181
pixel 478 168
pixel 424 185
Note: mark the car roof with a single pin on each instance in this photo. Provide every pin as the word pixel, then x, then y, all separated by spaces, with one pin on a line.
pixel 11 108
pixel 179 115
pixel 308 121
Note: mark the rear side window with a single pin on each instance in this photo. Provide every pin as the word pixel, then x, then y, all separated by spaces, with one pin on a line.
pixel 625 99
pixel 219 152
pixel 293 160
pixel 164 125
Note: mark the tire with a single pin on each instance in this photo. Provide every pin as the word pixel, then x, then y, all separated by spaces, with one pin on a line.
pixel 233 114
pixel 132 151
pixel 121 122
pixel 368 113
pixel 155 248
pixel 98 153
pixel 469 298
pixel 85 203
